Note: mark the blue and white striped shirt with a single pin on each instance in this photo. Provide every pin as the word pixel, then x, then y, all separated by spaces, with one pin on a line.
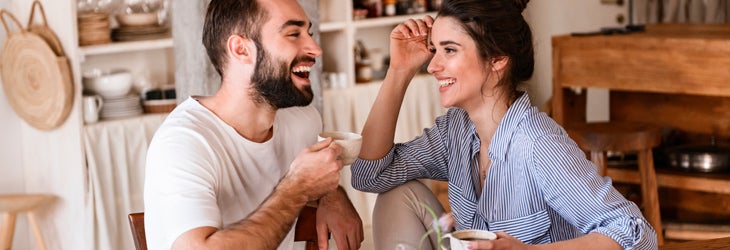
pixel 540 187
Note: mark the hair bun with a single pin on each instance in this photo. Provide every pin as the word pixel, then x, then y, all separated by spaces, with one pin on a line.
pixel 521 4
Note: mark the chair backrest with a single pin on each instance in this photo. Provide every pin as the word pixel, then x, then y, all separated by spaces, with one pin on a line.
pixel 304 230
pixel 136 223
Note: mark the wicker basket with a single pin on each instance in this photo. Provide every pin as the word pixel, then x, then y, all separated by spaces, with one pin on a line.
pixel 159 106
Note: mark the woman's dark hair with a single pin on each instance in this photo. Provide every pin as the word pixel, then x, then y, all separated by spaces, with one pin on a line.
pixel 498 29
pixel 226 17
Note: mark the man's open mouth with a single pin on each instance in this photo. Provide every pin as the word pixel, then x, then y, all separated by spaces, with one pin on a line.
pixel 302 71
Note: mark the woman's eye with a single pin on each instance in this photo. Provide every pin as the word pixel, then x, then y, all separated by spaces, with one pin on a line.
pixel 294 34
pixel 432 50
pixel 449 50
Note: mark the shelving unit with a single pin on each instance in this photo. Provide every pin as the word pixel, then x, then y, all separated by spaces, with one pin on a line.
pixel 122 47
pixel 339 34
pixel 148 60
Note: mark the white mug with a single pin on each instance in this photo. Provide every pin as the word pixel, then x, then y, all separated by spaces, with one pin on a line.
pixel 459 240
pixel 350 142
pixel 92 106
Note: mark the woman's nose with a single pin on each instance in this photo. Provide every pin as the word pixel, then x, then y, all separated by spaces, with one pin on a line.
pixel 434 66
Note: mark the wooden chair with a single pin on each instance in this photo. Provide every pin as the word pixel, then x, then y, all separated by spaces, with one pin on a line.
pixel 600 138
pixel 11 205
pixel 305 229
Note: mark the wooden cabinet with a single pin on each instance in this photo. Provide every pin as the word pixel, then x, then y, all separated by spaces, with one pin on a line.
pixel 673 76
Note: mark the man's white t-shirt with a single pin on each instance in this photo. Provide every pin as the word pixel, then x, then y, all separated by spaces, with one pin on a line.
pixel 201 172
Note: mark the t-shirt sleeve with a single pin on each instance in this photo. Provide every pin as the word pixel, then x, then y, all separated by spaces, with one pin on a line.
pixel 180 187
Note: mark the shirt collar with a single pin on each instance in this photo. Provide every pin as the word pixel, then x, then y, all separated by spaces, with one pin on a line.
pixel 508 126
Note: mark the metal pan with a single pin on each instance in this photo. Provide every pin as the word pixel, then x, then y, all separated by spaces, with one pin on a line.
pixel 700 158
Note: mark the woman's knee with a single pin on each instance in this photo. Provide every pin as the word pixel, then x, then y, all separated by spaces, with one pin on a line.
pixel 411 195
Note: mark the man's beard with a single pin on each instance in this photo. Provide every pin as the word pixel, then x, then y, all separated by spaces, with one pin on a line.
pixel 273 83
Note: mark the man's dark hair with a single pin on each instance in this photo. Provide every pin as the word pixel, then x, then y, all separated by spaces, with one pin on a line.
pixel 226 17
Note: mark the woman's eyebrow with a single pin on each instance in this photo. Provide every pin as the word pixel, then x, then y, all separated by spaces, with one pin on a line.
pixel 449 42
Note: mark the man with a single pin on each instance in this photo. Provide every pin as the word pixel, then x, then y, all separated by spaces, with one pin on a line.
pixel 233 170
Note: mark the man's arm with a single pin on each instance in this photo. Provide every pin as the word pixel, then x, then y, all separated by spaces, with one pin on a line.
pixel 336 214
pixel 313 174
pixel 265 228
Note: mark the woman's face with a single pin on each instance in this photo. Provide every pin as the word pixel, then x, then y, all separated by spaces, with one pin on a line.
pixel 456 65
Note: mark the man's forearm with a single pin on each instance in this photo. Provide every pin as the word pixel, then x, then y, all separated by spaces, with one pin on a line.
pixel 267 226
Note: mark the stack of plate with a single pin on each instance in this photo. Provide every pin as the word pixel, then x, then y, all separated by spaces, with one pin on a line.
pixel 125 106
pixel 135 33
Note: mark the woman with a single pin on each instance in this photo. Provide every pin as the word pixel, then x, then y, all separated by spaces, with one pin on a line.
pixel 510 168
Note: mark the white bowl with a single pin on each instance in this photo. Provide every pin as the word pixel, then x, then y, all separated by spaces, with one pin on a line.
pixel 137 19
pixel 350 142
pixel 108 84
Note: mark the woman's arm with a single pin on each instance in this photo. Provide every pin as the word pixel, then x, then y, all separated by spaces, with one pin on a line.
pixel 408 51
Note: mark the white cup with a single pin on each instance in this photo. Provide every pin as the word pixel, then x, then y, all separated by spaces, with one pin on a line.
pixel 92 106
pixel 350 143
pixel 459 240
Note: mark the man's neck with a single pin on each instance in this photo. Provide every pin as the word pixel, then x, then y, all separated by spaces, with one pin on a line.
pixel 254 121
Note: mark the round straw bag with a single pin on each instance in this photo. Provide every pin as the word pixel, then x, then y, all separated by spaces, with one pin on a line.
pixel 43 30
pixel 36 81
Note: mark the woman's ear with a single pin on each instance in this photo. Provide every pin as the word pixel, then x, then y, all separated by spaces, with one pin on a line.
pixel 241 49
pixel 499 63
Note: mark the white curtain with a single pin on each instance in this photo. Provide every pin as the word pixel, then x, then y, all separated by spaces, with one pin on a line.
pixel 681 11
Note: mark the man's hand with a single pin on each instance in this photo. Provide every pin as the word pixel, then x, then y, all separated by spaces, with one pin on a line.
pixel 337 215
pixel 316 170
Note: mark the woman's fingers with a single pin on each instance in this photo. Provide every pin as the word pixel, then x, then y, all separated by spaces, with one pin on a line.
pixel 415 27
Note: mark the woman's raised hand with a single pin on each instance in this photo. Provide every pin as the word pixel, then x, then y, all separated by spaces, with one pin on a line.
pixel 409 48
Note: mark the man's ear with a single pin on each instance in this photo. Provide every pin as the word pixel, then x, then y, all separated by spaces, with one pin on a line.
pixel 241 49
pixel 499 63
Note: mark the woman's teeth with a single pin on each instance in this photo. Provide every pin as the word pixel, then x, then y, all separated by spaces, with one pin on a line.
pixel 444 83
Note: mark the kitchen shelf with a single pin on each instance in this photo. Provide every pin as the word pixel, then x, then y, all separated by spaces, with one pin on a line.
pixel 117 47
pixel 340 34
pixel 667 178
pixel 332 26
pixel 390 20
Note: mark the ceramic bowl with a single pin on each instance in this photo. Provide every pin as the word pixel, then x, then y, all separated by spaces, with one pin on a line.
pixel 137 19
pixel 108 84
pixel 350 142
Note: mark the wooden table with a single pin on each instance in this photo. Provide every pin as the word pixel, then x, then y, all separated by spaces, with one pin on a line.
pixel 721 243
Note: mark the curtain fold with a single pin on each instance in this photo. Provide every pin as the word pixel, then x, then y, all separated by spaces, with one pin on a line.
pixel 116 152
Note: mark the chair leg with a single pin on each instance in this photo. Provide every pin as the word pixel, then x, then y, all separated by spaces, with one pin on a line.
pixel 36 231
pixel 7 230
pixel 599 158
pixel 311 245
pixel 649 193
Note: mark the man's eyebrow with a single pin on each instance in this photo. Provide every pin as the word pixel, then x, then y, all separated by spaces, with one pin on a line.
pixel 298 23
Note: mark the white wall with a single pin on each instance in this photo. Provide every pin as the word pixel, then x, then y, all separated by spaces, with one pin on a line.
pixel 558 17
pixel 51 162
pixel 11 169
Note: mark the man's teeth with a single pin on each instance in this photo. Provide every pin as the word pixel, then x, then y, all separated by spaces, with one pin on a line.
pixel 445 83
pixel 302 69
